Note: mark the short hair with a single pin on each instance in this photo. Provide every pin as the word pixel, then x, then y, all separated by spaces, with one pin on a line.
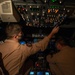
pixel 12 29
pixel 62 41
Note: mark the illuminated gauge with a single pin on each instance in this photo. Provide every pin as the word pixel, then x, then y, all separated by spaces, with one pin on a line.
pixel 47 20
pixel 45 1
pixel 49 10
pixel 37 13
pixel 43 11
pixel 26 9
pixel 32 13
pixel 27 16
pixel 51 20
pixel 53 0
pixel 64 9
pixel 68 10
pixel 47 73
pixel 53 10
pixel 56 10
pixel 31 72
pixel 22 42
pixel 30 6
pixel 37 6
pixel 30 24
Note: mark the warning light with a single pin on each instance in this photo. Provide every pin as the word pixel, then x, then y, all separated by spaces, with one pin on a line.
pixel 49 10
pixel 56 10
pixel 37 65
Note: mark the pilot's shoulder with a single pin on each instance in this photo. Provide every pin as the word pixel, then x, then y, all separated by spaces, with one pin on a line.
pixel 1 42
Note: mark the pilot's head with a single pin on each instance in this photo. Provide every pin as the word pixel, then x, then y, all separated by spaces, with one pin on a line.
pixel 61 42
pixel 14 31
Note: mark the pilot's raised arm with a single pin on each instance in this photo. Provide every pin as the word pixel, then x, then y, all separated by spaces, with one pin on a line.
pixel 14 54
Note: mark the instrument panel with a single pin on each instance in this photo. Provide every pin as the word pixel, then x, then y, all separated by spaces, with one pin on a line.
pixel 41 15
pixel 44 13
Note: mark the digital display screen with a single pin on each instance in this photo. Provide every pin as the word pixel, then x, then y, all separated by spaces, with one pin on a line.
pixel 31 73
pixel 47 73
pixel 22 42
pixel 40 73
pixel 35 40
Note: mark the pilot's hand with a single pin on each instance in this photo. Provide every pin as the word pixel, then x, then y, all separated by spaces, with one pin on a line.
pixel 55 30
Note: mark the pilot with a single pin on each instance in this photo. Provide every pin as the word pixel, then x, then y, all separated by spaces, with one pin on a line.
pixel 63 62
pixel 14 54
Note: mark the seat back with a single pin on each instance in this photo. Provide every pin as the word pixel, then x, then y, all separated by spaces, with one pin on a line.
pixel 5 72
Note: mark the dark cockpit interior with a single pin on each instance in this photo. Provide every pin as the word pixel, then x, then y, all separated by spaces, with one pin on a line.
pixel 37 18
